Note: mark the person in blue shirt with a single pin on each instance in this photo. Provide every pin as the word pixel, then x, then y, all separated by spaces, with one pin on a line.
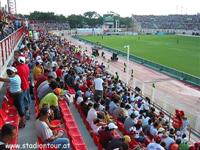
pixel 16 92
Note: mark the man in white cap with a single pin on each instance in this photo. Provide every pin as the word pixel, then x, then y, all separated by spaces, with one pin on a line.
pixel 107 134
pixel 16 92
pixel 24 72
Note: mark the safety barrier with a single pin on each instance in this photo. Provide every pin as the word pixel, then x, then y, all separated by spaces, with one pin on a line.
pixel 155 66
pixel 8 44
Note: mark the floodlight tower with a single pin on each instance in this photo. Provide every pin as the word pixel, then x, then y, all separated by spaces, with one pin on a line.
pixel 128 51
pixel 12 9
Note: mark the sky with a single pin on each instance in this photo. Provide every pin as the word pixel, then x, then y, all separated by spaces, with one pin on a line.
pixel 122 7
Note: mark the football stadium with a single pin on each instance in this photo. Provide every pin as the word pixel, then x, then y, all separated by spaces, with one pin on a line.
pixel 107 75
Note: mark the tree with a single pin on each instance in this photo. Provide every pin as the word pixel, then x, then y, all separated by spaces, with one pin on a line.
pixel 47 16
pixel 75 21
pixel 127 22
pixel 92 18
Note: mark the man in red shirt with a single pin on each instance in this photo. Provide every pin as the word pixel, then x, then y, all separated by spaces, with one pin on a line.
pixel 24 72
pixel 107 134
pixel 59 72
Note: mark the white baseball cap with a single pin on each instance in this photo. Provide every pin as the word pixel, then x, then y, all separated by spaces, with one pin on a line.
pixel 21 59
pixel 13 69
pixel 39 61
pixel 22 46
pixel 112 126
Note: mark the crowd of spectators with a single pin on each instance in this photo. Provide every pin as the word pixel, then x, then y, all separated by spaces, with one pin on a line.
pixel 185 22
pixel 54 64
pixel 8 24
pixel 48 26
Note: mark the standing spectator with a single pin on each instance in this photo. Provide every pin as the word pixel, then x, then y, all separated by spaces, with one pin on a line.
pixel 185 125
pixel 24 72
pixel 38 69
pixel 59 72
pixel 16 92
pixel 8 134
pixel 98 85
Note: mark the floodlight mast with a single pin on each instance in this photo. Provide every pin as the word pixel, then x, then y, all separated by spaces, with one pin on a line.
pixel 128 49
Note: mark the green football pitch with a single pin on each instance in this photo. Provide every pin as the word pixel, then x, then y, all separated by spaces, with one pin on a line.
pixel 178 52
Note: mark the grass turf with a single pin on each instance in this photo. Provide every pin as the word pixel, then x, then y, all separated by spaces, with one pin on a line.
pixel 179 52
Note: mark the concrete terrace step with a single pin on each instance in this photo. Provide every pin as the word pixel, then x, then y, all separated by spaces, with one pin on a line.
pixel 28 135
pixel 84 132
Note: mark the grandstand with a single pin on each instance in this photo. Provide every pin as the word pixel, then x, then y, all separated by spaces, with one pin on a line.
pixel 184 22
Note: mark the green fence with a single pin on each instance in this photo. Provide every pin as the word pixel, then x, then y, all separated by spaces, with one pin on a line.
pixel 155 66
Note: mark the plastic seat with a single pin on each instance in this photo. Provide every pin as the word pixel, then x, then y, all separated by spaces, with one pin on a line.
pixel 78 140
pixel 120 125
pixel 66 112
pixel 8 109
pixel 133 144
pixel 71 90
pixel 68 119
pixel 14 120
pixel 62 105
pixel 74 132
pixel 55 122
pixel 1 122
pixel 70 124
pixel 95 138
pixel 79 147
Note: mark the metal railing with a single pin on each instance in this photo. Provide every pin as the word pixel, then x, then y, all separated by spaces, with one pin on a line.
pixel 8 44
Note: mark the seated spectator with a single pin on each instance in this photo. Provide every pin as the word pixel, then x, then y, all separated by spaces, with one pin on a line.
pixel 52 100
pixel 168 140
pixel 50 118
pixel 138 132
pixel 42 78
pixel 79 97
pixel 120 143
pixel 47 135
pixel 92 113
pixel 97 125
pixel 154 129
pixel 85 106
pixel 47 88
pixel 120 112
pixel 130 122
pixel 107 134
pixel 107 118
pixel 175 146
pixel 44 86
pixel 7 135
pixel 113 105
pixel 155 145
